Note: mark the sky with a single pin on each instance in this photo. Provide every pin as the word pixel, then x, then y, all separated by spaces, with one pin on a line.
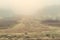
pixel 27 7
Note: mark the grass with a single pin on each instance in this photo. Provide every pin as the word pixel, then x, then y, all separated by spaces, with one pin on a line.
pixel 31 36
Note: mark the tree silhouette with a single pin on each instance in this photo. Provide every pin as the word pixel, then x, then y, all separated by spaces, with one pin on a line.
pixel 8 18
pixel 52 12
pixel 51 15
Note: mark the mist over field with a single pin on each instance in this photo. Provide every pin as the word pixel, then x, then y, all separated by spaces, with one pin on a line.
pixel 29 15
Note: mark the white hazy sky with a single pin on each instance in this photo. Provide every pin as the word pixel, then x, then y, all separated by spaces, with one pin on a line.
pixel 27 7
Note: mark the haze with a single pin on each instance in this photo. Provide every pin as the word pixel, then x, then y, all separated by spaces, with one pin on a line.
pixel 27 7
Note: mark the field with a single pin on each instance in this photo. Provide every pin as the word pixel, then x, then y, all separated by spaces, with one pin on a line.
pixel 30 29
pixel 29 36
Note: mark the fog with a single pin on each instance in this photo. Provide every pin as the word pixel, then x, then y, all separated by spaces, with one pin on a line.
pixel 30 7
pixel 27 7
